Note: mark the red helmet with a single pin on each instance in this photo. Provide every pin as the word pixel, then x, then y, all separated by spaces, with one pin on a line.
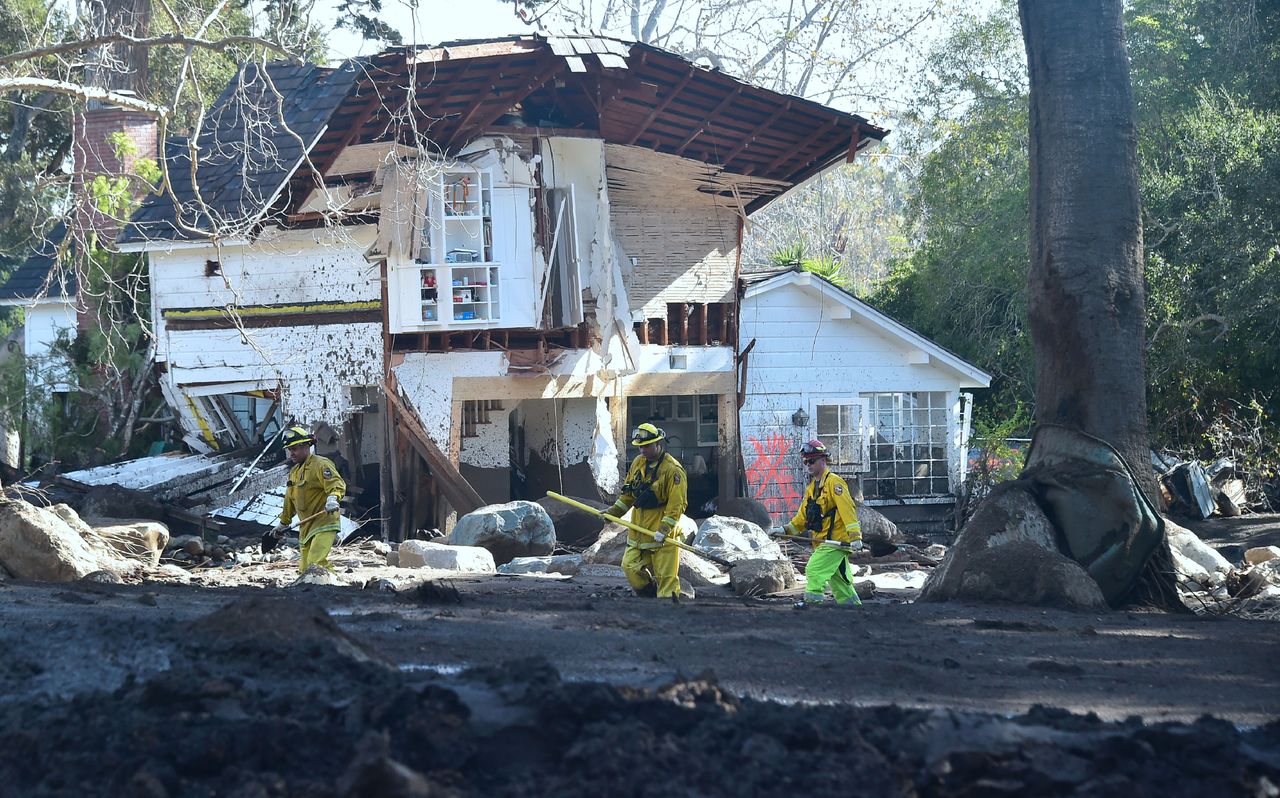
pixel 814 448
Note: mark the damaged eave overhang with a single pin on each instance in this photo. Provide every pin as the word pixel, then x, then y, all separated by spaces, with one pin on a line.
pixel 626 93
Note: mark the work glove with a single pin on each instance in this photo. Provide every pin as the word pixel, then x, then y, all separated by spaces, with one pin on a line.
pixel 659 537
pixel 331 504
pixel 778 532
pixel 856 545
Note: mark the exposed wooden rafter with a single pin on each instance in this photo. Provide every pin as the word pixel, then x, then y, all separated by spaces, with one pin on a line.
pixel 666 101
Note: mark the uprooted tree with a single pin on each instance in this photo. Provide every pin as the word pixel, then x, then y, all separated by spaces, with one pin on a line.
pixel 1079 527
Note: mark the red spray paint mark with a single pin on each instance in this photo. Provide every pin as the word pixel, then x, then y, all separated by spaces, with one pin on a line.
pixel 770 478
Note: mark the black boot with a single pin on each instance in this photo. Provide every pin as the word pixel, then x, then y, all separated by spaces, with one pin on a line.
pixel 648 591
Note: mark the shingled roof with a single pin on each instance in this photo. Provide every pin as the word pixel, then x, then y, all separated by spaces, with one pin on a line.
pixel 253 138
pixel 625 93
pixel 36 277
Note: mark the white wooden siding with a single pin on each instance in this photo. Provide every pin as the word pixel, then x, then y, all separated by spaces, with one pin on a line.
pixel 810 349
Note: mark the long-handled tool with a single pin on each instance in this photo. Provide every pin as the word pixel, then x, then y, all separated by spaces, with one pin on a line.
pixel 823 541
pixel 601 514
pixel 272 536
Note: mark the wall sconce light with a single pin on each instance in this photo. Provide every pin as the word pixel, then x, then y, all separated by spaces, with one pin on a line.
pixel 635 261
pixel 800 418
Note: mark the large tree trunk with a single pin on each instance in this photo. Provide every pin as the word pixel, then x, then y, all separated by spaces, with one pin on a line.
pixel 1075 528
pixel 1086 299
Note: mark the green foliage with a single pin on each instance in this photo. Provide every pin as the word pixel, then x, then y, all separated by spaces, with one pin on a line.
pixel 964 284
pixel 1206 77
pixel 794 256
pixel 1213 219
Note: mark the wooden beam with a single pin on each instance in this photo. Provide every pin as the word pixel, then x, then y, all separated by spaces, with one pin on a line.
pixel 751 137
pixel 661 106
pixel 791 155
pixel 461 495
pixel 853 142
pixel 733 95
pixel 462 133
pixel 643 330
pixel 702 324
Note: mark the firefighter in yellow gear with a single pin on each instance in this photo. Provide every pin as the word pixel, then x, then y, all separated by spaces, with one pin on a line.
pixel 827 514
pixel 314 487
pixel 657 492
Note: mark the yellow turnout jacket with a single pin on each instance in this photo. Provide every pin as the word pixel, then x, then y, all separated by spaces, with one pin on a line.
pixel 668 493
pixel 310 483
pixel 833 518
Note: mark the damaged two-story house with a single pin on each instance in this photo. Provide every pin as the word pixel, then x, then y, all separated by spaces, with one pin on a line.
pixel 473 267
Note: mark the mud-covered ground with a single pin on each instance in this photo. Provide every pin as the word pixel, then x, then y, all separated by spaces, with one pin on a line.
pixel 528 686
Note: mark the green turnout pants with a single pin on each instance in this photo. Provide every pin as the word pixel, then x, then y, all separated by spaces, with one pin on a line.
pixel 829 564
pixel 662 562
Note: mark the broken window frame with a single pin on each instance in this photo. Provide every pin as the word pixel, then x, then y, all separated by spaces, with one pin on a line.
pixel 847 443
pixel 900 430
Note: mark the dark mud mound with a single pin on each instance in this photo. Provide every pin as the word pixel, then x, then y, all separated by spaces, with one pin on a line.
pixel 225 726
pixel 281 627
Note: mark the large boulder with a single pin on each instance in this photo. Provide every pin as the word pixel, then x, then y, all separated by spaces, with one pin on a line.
pixel 879 534
pixel 36 543
pixel 573 526
pixel 1193 558
pixel 735 539
pixel 609 546
pixel 140 540
pixel 758 577
pixel 514 529
pixel 699 571
pixel 612 542
pixel 567 564
pixel 1008 553
pixel 461 559
pixel 747 509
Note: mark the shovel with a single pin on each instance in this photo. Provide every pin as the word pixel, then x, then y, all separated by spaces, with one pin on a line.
pixel 599 514
pixel 820 541
pixel 270 538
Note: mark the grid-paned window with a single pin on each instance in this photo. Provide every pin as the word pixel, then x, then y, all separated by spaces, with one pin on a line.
pixel 839 426
pixel 908 454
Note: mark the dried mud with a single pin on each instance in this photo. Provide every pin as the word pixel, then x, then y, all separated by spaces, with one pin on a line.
pixel 247 693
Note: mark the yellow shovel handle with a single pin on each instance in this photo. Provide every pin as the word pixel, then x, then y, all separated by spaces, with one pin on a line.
pixel 589 509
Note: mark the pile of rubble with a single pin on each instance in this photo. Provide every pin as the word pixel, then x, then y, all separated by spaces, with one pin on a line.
pixel 1209 582
pixel 1192 490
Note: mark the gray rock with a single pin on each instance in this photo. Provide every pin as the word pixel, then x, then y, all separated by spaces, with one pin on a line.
pixel 37 544
pixel 1008 553
pixel 758 577
pixel 567 564
pixel 879 534
pixel 514 529
pixel 462 559
pixel 748 510
pixel 103 578
pixel 735 539
pixel 608 548
pixel 601 570
pixel 573 526
pixel 698 571
pixel 393 559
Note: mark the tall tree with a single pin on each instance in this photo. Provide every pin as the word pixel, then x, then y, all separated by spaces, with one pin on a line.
pixel 1086 300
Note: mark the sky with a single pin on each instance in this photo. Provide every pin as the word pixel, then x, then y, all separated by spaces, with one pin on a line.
pixel 436 21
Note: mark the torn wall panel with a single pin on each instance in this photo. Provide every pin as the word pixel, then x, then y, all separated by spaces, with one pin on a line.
pixel 302 266
pixel 314 366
